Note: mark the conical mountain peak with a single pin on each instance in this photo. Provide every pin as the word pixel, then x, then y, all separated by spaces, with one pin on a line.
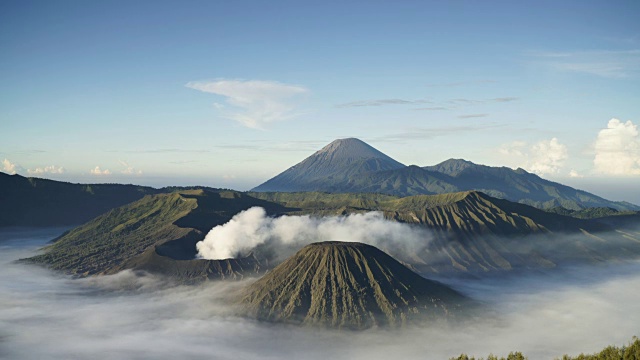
pixel 337 161
pixel 350 285
pixel 351 148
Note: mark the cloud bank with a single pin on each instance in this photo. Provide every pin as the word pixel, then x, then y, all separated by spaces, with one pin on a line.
pixel 99 172
pixel 542 158
pixel 547 157
pixel 9 167
pixel 52 169
pixel 618 149
pixel 254 104
pixel 44 315
pixel 128 169
pixel 286 234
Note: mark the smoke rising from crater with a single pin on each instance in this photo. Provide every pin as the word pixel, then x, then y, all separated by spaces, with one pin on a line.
pixel 253 228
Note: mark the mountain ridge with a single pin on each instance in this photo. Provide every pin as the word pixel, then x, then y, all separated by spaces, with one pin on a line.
pixel 451 175
pixel 28 201
pixel 468 232
pixel 157 233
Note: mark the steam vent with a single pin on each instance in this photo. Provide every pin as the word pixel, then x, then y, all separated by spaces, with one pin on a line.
pixel 347 285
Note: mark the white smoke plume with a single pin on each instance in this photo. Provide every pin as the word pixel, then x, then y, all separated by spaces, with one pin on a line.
pixel 252 228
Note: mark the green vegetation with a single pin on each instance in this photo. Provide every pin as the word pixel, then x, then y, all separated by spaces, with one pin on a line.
pixel 629 352
pixel 512 356
pixel 590 213
pixel 322 200
pixel 158 233
pixel 123 233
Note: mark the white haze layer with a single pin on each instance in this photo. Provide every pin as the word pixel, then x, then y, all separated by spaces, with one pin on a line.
pixel 251 228
pixel 44 315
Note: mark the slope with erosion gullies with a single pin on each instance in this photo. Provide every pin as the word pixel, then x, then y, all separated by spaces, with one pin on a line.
pixel 157 233
pixel 331 164
pixel 348 285
pixel 473 232
pixel 477 233
pixel 41 202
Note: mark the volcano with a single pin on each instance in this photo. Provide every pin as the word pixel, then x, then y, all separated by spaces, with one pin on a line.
pixel 348 285
pixel 335 162
pixel 352 166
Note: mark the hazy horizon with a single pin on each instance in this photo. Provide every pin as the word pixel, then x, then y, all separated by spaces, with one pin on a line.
pixel 610 188
pixel 229 94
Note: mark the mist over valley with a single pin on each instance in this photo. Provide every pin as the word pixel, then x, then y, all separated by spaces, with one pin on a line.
pixel 137 315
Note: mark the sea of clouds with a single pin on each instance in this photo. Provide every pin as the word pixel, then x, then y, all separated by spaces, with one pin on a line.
pixel 45 315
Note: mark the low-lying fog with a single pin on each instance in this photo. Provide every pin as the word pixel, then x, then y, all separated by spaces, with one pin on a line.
pixel 44 315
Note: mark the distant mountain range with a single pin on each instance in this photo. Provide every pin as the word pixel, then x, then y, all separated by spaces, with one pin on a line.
pixel 344 166
pixel 28 201
pixel 352 166
pixel 41 202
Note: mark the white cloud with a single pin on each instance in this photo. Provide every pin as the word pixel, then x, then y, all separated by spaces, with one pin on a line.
pixel 9 167
pixel 547 157
pixel 128 169
pixel 99 172
pixel 255 104
pixel 618 149
pixel 52 169
pixel 575 174
pixel 543 157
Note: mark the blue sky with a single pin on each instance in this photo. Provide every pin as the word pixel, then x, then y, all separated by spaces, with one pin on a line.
pixel 228 94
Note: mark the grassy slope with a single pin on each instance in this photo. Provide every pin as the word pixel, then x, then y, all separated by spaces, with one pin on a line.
pixel 122 233
pixel 143 234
